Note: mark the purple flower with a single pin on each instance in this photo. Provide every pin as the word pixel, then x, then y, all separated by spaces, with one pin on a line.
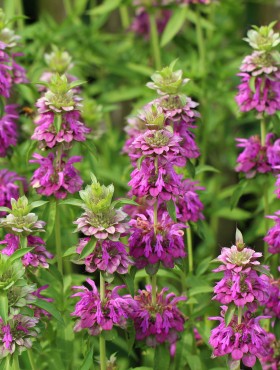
pixel 150 244
pixel 5 76
pixel 264 99
pixel 162 182
pixel 272 306
pixel 158 143
pixel 272 360
pixel 238 260
pixel 157 323
pixel 141 24
pixel 96 315
pixel 273 151
pixel 272 237
pixel 8 129
pixel 259 63
pixel 242 289
pixel 55 176
pixel 189 207
pixel 71 127
pixel 19 74
pixel 9 187
pixel 254 158
pixel 245 341
pixel 17 334
pixel 108 255
pixel 103 225
pixel 37 257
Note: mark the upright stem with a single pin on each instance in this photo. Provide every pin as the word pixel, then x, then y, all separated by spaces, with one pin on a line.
pixel 124 17
pixel 102 342
pixel 154 289
pixel 20 12
pixel 31 360
pixel 58 240
pixel 67 7
pixel 200 41
pixel 190 249
pixel 155 41
pixel 15 363
pixel 265 190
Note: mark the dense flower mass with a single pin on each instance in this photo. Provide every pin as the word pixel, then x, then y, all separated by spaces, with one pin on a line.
pixel 272 306
pixel 97 315
pixel 8 129
pixel 160 322
pixel 242 289
pixel 272 360
pixel 254 158
pixel 244 341
pixel 151 243
pixel 17 334
pixel 55 176
pixel 109 256
pixel 189 206
pixel 10 187
pixel 37 257
pixel 272 237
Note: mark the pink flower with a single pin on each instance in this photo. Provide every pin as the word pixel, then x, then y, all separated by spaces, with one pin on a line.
pixel 254 158
pixel 272 237
pixel 9 187
pixel 8 129
pixel 109 256
pixel 189 206
pixel 96 315
pixel 245 341
pixel 37 257
pixel 259 63
pixel 157 323
pixel 150 244
pixel 55 176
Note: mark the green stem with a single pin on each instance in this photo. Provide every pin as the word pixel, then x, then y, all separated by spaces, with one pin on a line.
pixel 102 342
pixel 240 313
pixel 124 17
pixel 265 190
pixel 58 240
pixel 155 41
pixel 190 249
pixel 67 7
pixel 31 360
pixel 19 9
pixel 15 363
pixel 200 41
pixel 154 289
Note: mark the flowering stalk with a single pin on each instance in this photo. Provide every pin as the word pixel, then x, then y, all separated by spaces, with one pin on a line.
pixel 58 244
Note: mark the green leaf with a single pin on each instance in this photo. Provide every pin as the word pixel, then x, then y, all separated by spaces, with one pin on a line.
pixel 49 216
pixel 2 106
pixel 171 208
pixel 276 123
pixel 110 335
pixel 206 168
pixel 121 201
pixel 190 168
pixel 88 360
pixel 230 313
pixel 174 25
pixel 70 251
pixel 162 358
pixel 57 122
pixel 76 83
pixel 90 147
pixel 192 17
pixel 238 193
pixel 252 84
pixel 5 209
pixel 49 307
pixel 106 7
pixel 203 266
pixel 139 161
pixel 88 248
pixel 200 290
pixel 129 278
pixel 38 203
pixel 194 361
pixel 235 214
pixel 4 306
pixel 130 335
pixel 262 270
pixel 30 150
pixel 19 253
pixel 72 202
pixel 4 363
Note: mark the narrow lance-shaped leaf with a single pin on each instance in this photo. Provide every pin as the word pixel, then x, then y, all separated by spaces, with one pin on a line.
pixel 4 306
pixel 49 307
pixel 88 248
pixel 229 314
pixel 19 253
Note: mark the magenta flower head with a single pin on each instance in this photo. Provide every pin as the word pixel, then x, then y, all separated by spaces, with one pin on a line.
pixel 55 176
pixel 254 157
pixel 246 341
pixel 100 218
pixel 157 323
pixel 5 76
pixel 59 119
pixel 8 129
pixel 272 237
pixel 272 306
pixel 272 360
pixel 9 187
pixel 97 315
pixel 238 258
pixel 108 256
pixel 189 206
pixel 17 334
pixel 37 257
pixel 150 244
